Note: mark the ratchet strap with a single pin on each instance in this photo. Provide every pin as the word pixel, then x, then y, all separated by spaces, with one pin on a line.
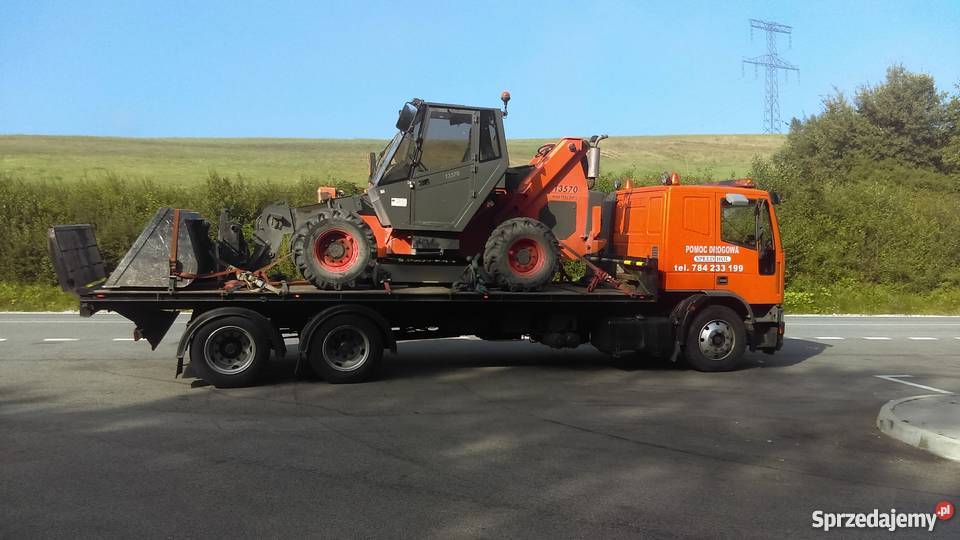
pixel 254 280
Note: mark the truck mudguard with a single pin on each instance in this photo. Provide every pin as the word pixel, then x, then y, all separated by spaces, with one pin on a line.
pixel 684 312
pixel 307 333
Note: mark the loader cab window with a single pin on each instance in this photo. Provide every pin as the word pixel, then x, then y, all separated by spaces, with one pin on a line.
pixel 738 224
pixel 489 138
pixel 404 151
pixel 446 143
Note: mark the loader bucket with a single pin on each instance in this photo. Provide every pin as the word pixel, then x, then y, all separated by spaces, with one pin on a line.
pixel 148 263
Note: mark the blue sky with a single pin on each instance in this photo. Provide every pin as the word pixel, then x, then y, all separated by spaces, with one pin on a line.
pixel 342 69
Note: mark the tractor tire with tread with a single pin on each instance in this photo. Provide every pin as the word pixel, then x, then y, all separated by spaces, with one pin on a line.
pixel 335 250
pixel 521 254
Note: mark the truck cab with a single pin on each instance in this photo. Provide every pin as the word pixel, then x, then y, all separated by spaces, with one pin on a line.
pixel 717 240
pixel 716 237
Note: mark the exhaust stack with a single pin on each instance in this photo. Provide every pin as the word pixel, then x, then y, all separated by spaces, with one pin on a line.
pixel 593 157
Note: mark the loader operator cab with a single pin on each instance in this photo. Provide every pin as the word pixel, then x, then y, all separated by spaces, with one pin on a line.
pixel 439 168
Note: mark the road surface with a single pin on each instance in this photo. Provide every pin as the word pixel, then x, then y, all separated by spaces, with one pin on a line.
pixel 466 438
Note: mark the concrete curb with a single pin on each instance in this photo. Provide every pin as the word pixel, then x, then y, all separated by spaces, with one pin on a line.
pixel 916 435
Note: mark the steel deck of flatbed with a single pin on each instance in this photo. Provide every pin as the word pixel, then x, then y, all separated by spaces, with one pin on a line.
pixel 186 298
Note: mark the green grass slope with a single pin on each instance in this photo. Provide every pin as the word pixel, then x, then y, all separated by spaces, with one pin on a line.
pixel 279 160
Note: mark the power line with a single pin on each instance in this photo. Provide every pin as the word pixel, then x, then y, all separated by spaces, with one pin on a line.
pixel 772 64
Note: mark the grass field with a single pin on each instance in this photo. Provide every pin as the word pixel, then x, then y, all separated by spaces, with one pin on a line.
pixel 190 160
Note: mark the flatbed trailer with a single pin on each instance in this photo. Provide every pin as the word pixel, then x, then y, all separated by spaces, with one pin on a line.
pixel 343 334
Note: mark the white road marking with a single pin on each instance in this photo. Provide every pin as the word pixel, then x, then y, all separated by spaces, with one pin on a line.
pixel 896 378
pixel 59 339
pixel 123 339
pixel 3 339
pixel 877 338
pixel 828 337
pixel 871 324
pixel 923 338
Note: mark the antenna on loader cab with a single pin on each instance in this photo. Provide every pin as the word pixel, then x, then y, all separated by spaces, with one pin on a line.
pixel 505 98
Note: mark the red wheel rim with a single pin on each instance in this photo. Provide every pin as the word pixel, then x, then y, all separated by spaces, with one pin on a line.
pixel 526 256
pixel 336 250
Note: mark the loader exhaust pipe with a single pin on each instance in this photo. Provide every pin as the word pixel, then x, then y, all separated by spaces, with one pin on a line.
pixel 593 158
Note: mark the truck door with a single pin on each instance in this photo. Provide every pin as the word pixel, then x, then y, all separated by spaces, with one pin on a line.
pixel 442 179
pixel 770 256
pixel 693 239
pixel 749 266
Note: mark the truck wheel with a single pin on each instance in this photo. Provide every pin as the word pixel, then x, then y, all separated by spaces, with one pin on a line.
pixel 521 254
pixel 335 250
pixel 346 349
pixel 229 352
pixel 715 340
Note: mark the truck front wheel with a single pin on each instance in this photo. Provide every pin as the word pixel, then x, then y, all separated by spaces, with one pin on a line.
pixel 716 340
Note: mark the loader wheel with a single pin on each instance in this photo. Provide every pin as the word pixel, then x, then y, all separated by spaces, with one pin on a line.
pixel 521 254
pixel 335 250
pixel 715 340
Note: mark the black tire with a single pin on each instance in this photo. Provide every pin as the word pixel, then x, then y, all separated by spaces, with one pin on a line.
pixel 527 268
pixel 335 250
pixel 716 340
pixel 346 349
pixel 229 352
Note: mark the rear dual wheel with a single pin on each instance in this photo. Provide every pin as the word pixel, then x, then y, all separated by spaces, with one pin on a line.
pixel 335 250
pixel 346 349
pixel 229 352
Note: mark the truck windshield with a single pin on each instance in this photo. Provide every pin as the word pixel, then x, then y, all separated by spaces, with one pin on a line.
pixel 749 226
pixel 738 224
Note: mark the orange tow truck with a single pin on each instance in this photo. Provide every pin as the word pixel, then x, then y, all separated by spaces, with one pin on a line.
pixel 449 240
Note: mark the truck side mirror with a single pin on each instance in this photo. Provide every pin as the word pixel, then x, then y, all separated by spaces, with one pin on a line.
pixel 372 165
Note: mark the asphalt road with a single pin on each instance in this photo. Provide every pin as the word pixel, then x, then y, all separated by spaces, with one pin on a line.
pixel 466 438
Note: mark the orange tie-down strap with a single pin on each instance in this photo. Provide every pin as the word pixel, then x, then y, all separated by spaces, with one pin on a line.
pixel 251 279
pixel 174 241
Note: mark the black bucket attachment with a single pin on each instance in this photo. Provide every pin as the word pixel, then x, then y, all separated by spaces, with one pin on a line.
pixel 76 258
pixel 149 262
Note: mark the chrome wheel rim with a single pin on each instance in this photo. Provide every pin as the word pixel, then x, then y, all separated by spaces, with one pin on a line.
pixel 345 348
pixel 229 350
pixel 717 340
